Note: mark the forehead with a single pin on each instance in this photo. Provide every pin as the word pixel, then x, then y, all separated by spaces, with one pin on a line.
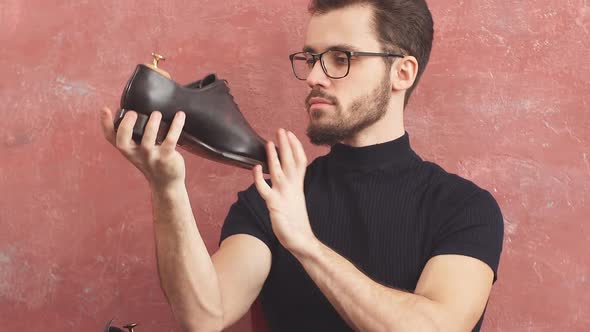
pixel 351 25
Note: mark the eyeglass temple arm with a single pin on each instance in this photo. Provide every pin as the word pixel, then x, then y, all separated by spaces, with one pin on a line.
pixel 397 55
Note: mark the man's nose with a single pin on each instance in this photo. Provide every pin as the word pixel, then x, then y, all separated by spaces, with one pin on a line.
pixel 317 76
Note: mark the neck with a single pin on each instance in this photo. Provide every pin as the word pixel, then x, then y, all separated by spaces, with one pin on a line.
pixel 388 128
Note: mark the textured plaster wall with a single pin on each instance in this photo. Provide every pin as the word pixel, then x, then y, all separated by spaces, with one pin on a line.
pixel 504 102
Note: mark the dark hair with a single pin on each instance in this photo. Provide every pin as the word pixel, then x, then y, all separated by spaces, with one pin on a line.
pixel 401 25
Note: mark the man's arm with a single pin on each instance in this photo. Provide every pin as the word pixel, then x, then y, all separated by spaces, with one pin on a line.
pixel 450 296
pixel 205 293
pixel 187 275
pixel 195 284
pixel 242 263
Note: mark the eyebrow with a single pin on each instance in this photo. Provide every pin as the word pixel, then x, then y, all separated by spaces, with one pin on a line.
pixel 337 47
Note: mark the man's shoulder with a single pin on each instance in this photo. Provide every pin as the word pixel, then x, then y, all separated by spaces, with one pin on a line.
pixel 451 189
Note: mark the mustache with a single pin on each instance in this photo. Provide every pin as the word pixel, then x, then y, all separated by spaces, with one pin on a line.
pixel 315 93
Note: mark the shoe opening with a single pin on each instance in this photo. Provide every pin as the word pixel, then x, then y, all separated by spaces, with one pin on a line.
pixel 208 80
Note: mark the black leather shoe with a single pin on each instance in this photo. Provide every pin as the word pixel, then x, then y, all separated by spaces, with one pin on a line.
pixel 109 328
pixel 214 126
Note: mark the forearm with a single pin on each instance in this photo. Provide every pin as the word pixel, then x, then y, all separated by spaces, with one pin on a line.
pixel 187 275
pixel 363 303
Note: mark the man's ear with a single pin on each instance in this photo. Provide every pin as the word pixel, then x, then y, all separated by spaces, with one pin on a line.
pixel 403 73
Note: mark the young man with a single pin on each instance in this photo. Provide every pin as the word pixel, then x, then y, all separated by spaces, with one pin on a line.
pixel 368 237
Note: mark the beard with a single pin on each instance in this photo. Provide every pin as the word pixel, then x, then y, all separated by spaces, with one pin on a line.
pixel 363 112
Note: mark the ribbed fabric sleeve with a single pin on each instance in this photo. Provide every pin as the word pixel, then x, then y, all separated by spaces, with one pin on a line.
pixel 249 215
pixel 473 231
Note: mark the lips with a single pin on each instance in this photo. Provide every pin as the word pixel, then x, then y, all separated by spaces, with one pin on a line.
pixel 319 100
pixel 314 101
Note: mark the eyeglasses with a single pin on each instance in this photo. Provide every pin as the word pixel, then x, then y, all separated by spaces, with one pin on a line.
pixel 335 63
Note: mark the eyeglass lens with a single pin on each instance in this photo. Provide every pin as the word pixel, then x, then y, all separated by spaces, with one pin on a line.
pixel 335 64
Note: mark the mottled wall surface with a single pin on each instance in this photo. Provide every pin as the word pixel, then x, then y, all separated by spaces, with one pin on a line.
pixel 504 103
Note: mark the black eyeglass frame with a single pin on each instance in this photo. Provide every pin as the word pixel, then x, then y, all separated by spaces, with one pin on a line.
pixel 349 54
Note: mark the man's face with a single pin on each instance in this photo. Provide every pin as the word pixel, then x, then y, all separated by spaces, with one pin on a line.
pixel 356 101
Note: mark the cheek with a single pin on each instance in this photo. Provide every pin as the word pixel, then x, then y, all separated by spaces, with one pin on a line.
pixel 349 95
pixel 346 90
pixel 366 76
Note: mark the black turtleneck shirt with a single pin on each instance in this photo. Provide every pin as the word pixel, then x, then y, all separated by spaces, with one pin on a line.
pixel 384 209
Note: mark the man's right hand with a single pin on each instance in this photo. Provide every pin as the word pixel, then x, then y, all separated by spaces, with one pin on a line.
pixel 162 165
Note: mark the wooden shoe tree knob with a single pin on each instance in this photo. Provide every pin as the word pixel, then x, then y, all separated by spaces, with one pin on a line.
pixel 154 65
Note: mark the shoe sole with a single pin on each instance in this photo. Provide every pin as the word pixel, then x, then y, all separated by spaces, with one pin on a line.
pixel 189 143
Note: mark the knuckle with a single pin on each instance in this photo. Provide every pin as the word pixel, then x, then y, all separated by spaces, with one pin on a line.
pixel 145 148
pixel 164 146
pixel 160 163
pixel 167 149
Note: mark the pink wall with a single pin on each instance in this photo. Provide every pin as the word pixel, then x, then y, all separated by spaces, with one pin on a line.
pixel 504 103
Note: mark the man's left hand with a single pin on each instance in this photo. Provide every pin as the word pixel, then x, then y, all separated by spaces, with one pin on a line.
pixel 285 199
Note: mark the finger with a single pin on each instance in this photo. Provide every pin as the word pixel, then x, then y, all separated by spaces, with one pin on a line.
pixel 285 151
pixel 298 152
pixel 263 188
pixel 175 130
pixel 106 122
pixel 274 166
pixel 151 130
pixel 125 130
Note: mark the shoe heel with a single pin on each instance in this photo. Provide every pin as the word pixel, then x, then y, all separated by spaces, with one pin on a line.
pixel 139 127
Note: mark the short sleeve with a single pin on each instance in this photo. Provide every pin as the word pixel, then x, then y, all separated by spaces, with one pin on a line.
pixel 475 229
pixel 249 215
